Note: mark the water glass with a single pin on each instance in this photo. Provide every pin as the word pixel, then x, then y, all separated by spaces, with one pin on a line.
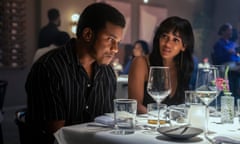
pixel 178 115
pixel 125 116
pixel 152 111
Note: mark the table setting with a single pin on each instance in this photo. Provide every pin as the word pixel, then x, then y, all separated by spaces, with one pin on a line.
pixel 191 122
pixel 102 131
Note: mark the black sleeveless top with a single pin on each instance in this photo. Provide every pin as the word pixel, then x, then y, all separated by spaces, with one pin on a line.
pixel 177 99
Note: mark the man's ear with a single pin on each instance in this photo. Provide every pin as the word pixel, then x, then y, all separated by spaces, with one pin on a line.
pixel 87 34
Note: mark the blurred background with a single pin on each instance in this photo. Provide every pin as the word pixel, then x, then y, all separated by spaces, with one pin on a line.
pixel 18 40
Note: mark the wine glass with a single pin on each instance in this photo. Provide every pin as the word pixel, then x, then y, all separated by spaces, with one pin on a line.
pixel 159 85
pixel 206 89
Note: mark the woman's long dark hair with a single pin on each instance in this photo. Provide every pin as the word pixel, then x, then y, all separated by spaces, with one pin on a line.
pixel 184 60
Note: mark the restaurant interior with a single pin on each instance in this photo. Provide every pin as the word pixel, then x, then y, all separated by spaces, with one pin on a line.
pixel 142 16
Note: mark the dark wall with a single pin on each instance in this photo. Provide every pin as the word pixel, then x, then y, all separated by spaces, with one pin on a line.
pixel 221 12
pixel 15 94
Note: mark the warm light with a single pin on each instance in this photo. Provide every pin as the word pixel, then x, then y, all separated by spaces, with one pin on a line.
pixel 74 19
pixel 74 29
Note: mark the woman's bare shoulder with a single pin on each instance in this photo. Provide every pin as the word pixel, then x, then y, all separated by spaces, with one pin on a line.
pixel 140 60
pixel 139 67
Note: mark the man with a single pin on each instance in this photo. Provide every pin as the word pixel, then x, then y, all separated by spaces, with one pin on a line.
pixel 225 53
pixel 223 49
pixel 75 83
pixel 49 33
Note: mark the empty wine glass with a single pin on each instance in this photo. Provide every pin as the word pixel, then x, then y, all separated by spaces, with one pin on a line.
pixel 206 88
pixel 159 85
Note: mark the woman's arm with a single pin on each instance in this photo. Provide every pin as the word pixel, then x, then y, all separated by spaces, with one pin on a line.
pixel 136 78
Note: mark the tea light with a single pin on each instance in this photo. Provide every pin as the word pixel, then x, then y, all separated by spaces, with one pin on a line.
pixel 197 116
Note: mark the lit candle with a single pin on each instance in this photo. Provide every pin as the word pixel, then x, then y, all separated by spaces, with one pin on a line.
pixel 197 116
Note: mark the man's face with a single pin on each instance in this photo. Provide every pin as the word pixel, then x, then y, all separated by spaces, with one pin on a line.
pixel 106 43
pixel 228 32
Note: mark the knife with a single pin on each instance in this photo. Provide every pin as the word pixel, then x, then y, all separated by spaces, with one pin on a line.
pixel 184 130
pixel 177 128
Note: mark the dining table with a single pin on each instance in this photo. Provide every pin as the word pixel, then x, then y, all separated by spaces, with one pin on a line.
pixel 96 133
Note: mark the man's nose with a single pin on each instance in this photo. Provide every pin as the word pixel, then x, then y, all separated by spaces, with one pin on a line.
pixel 115 47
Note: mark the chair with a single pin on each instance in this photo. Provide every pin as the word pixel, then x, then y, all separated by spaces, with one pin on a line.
pixel 20 122
pixel 27 133
pixel 3 87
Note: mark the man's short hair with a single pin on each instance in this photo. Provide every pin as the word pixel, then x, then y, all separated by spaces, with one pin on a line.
pixel 223 28
pixel 96 15
pixel 53 14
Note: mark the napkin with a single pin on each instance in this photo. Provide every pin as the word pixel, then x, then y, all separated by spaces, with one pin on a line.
pixel 224 139
pixel 104 119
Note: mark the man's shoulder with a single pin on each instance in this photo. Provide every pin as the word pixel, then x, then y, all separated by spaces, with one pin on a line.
pixel 54 55
pixel 41 51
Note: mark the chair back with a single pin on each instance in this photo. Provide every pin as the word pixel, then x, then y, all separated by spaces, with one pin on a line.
pixel 3 87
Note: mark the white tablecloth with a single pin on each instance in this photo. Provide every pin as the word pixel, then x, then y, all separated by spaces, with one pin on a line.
pixel 85 134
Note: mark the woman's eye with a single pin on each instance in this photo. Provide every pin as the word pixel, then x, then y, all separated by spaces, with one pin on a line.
pixel 163 36
pixel 176 40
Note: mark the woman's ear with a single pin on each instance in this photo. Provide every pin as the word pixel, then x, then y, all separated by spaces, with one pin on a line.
pixel 183 49
pixel 87 34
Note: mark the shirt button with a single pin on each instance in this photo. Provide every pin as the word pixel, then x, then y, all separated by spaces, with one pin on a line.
pixel 86 107
pixel 88 85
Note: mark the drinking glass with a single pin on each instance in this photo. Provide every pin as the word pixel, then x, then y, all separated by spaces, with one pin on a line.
pixel 159 85
pixel 206 88
pixel 125 116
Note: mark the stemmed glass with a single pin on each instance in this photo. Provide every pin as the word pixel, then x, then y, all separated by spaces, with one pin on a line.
pixel 206 88
pixel 159 85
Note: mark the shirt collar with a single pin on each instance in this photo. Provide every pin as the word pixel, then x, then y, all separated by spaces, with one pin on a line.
pixel 71 55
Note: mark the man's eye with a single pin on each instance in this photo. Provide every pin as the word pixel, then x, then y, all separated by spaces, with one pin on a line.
pixel 110 39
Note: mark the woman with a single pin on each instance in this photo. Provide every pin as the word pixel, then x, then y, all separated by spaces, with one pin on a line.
pixel 172 47
pixel 140 49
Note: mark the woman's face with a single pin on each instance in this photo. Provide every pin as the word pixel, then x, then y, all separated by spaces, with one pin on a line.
pixel 170 45
pixel 138 50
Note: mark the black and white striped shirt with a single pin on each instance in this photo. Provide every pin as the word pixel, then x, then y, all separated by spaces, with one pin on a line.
pixel 58 88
